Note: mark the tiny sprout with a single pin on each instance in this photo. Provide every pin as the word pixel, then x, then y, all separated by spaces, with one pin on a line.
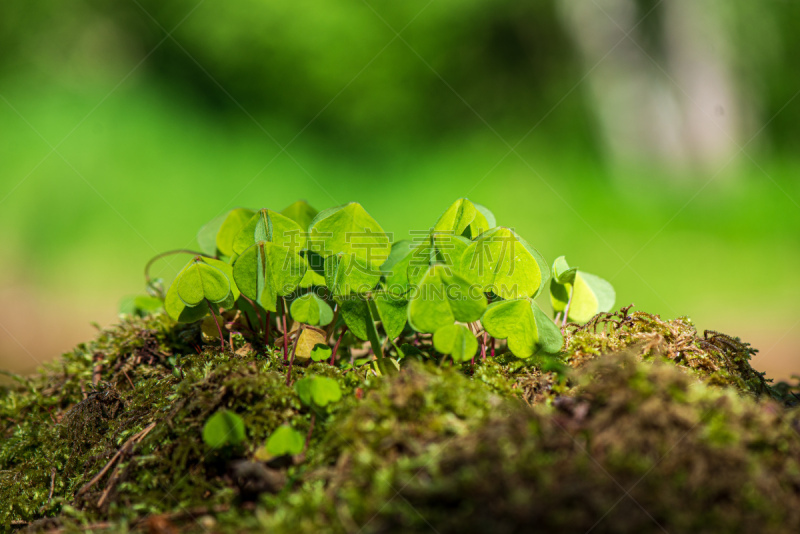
pixel 578 296
pixel 457 341
pixel 318 391
pixel 285 440
pixel 224 428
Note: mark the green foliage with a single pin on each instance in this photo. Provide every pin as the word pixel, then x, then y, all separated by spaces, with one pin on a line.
pixel 337 269
pixel 310 309
pixel 525 325
pixel 457 341
pixel 581 295
pixel 285 440
pixel 318 391
pixel 224 428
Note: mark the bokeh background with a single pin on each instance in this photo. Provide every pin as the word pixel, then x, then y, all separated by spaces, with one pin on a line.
pixel 653 142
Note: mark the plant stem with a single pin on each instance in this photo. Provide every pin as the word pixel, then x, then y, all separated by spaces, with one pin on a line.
pixel 332 327
pixel 219 328
pixel 294 351
pixel 336 347
pixel 285 334
pixel 483 346
pixel 569 302
pixel 310 430
pixel 492 346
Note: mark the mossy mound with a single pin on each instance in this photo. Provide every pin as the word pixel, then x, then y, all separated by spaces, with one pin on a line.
pixel 648 427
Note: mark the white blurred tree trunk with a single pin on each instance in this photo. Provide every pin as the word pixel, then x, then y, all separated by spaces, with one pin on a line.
pixel 665 94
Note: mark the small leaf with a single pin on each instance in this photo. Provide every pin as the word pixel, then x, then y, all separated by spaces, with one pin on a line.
pixel 300 212
pixel 318 391
pixel 488 215
pixel 562 273
pixel 201 281
pixel 265 271
pixel 502 262
pixel 310 309
pixel 351 230
pixel 591 296
pixel 346 274
pixel 457 341
pixel 285 440
pixel 528 329
pixel 272 227
pixel 321 352
pixel 393 313
pixel 183 313
pixel 442 298
pixel 224 428
pixel 230 227
pixel 462 218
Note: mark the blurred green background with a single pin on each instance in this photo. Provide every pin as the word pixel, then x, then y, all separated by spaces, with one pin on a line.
pixel 654 143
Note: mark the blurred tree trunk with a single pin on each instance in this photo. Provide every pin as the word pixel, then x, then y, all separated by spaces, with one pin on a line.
pixel 665 94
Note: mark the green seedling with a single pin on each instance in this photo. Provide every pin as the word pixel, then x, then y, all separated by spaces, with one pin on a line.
pixel 285 440
pixel 205 284
pixel 501 262
pixel 465 280
pixel 318 391
pixel 442 298
pixel 224 428
pixel 311 310
pixel 457 341
pixel 528 329
pixel 578 296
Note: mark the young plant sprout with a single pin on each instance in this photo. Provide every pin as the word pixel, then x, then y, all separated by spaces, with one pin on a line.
pixel 578 296
pixel 452 290
pixel 224 428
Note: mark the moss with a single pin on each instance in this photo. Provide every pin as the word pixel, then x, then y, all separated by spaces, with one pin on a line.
pixel 110 435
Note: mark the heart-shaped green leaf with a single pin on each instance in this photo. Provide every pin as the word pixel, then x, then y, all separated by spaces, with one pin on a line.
pixel 457 341
pixel 351 230
pixel 318 391
pixel 272 227
pixel 503 263
pixel 392 311
pixel 224 428
pixel 462 218
pixel 200 281
pixel 320 352
pixel 310 309
pixel 234 221
pixel 300 212
pixel 285 440
pixel 441 298
pixel 528 329
pixel 346 274
pixel 265 271
pixel 590 296
pixel 440 248
pixel 183 313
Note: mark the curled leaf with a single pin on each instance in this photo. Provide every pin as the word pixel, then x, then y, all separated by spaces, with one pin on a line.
pixel 442 298
pixel 310 309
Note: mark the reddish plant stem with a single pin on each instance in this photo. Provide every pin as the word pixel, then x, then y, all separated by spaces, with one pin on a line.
pixel 285 333
pixel 483 346
pixel 492 346
pixel 294 351
pixel 336 347
pixel 219 328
